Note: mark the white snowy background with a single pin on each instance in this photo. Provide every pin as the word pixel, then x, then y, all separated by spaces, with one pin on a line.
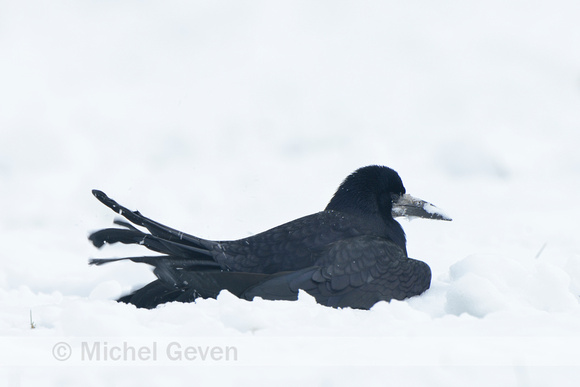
pixel 226 118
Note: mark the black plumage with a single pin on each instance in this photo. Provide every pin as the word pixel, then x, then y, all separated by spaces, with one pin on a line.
pixel 352 254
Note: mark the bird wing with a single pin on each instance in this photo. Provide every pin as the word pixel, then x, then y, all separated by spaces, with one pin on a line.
pixel 355 272
pixel 291 246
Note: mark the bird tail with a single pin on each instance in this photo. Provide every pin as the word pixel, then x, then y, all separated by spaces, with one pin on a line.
pixel 179 250
pixel 185 270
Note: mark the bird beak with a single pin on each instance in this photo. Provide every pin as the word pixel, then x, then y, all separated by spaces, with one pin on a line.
pixel 410 207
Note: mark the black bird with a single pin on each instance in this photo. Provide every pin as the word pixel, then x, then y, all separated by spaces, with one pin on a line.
pixel 352 254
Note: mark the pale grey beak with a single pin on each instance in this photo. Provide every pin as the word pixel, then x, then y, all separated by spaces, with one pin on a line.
pixel 410 207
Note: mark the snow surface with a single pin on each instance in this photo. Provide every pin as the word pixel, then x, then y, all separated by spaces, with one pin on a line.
pixel 226 118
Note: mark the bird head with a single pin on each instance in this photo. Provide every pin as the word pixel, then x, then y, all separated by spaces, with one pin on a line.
pixel 378 190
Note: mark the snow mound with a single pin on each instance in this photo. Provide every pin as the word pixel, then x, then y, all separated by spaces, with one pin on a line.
pixel 481 284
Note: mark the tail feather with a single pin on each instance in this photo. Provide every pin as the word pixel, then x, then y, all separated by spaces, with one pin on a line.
pixel 128 225
pixel 179 251
pixel 152 242
pixel 153 260
pixel 155 228
pixel 182 250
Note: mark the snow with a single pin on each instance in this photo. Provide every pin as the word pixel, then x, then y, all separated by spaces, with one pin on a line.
pixel 224 118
